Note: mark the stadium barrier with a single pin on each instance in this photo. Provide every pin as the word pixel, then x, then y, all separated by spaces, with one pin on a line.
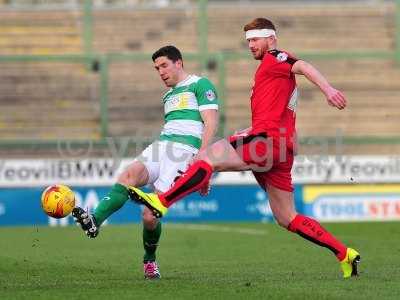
pixel 349 188
pixel 101 65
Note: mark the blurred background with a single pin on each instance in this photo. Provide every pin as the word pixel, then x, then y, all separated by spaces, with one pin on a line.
pixel 79 98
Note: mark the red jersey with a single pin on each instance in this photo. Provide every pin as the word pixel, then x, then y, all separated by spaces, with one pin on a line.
pixel 274 96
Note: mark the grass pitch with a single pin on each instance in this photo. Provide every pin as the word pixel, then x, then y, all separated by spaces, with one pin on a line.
pixel 223 261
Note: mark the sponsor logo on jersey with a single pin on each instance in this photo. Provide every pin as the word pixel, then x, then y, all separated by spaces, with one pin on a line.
pixel 176 102
pixel 210 95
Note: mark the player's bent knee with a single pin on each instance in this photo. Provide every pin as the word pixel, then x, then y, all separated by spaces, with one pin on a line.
pixel 135 175
pixel 123 179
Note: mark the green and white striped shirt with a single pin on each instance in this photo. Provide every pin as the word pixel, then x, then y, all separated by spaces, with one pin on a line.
pixel 182 106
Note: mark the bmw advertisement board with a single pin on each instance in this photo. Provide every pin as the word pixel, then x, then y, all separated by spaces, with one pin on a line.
pixel 346 188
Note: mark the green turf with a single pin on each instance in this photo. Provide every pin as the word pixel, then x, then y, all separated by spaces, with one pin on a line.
pixel 223 261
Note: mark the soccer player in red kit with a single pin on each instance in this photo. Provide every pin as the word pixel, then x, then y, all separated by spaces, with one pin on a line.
pixel 266 147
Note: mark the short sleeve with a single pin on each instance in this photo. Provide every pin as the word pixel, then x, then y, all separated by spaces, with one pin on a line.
pixel 291 60
pixel 281 63
pixel 206 94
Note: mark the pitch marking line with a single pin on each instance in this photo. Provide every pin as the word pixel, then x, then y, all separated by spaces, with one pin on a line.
pixel 212 228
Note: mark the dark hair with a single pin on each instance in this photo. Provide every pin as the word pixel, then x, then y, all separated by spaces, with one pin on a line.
pixel 259 23
pixel 171 52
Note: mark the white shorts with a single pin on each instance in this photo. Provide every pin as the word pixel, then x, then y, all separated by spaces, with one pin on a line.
pixel 163 160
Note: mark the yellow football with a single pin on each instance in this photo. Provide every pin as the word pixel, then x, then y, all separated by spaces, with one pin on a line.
pixel 58 201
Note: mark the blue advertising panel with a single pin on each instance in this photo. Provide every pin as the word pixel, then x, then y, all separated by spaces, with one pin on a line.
pixel 21 206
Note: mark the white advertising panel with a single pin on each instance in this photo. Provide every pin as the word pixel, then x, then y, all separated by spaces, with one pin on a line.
pixel 306 170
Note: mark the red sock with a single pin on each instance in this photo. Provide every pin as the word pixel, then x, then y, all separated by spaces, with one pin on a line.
pixel 311 230
pixel 197 175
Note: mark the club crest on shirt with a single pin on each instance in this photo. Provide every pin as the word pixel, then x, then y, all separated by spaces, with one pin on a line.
pixel 210 95
pixel 282 56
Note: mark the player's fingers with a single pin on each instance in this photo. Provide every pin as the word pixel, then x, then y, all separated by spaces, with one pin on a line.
pixel 336 103
pixel 341 95
pixel 339 105
pixel 340 99
pixel 331 102
pixel 344 102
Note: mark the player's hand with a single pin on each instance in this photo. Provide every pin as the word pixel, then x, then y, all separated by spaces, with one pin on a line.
pixel 335 98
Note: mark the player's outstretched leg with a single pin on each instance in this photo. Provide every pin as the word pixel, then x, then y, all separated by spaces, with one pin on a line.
pixel 113 201
pixel 282 205
pixel 313 231
pixel 195 178
pixel 349 264
pixel 86 221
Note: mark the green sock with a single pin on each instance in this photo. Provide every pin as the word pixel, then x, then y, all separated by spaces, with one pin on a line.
pixel 115 199
pixel 150 240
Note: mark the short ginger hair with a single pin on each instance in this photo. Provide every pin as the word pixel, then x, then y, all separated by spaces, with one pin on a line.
pixel 259 23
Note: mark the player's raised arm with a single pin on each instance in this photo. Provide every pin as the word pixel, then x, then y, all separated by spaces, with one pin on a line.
pixel 333 96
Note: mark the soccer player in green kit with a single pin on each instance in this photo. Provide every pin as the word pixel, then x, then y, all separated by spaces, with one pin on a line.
pixel 191 121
